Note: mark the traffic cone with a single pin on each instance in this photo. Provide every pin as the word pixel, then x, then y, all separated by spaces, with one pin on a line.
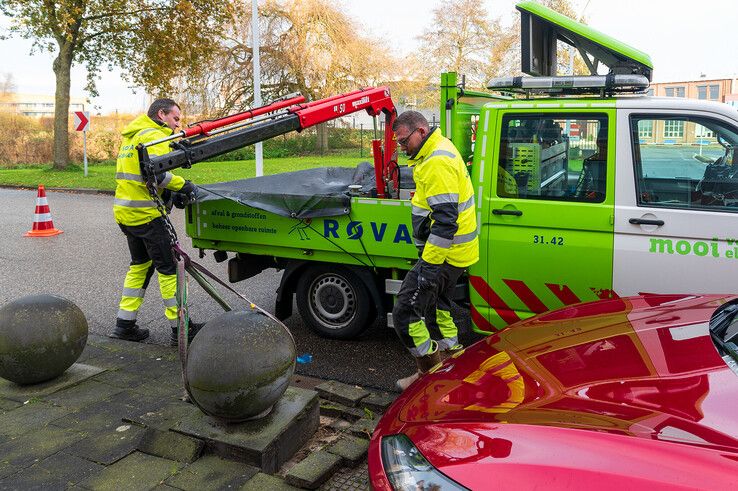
pixel 43 226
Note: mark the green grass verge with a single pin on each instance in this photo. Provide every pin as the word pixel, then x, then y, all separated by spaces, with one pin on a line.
pixel 102 176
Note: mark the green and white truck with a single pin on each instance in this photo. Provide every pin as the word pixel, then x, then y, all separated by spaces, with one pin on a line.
pixel 587 188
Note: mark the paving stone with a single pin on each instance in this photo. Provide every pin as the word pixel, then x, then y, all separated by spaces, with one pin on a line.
pixel 55 472
pixel 6 469
pixel 364 427
pixel 378 401
pixel 163 418
pixel 261 482
pixel 27 449
pixel 267 442
pixel 29 417
pixel 140 349
pixel 110 446
pixel 340 392
pixel 32 479
pixel 110 412
pixel 74 375
pixel 350 448
pixel 9 404
pixel 338 410
pixel 88 353
pixel 121 378
pixel 212 472
pixel 82 394
pixel 137 471
pixel 170 445
pixel 314 470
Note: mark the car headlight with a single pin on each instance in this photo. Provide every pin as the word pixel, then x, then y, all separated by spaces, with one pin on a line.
pixel 407 469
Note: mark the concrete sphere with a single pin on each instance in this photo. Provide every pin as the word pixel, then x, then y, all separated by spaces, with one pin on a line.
pixel 239 365
pixel 40 337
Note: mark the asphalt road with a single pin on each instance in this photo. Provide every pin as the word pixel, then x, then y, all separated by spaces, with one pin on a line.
pixel 87 263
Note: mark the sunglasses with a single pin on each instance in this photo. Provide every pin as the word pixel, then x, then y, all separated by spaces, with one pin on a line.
pixel 403 141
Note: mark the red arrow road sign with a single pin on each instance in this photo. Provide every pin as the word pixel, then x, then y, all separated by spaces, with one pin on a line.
pixel 81 120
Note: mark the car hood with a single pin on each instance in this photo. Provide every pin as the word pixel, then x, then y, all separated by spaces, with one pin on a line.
pixel 641 366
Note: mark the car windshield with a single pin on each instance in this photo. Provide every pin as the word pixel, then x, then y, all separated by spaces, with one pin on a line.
pixel 724 332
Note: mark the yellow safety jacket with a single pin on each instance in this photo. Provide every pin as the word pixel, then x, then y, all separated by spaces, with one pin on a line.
pixel 444 215
pixel 133 204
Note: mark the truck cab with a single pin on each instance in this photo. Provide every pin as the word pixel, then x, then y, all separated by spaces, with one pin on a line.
pixel 587 191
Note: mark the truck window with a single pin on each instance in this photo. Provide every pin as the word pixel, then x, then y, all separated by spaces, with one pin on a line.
pixel 553 157
pixel 685 162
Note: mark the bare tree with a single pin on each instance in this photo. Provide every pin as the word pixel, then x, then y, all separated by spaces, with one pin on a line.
pixel 7 84
pixel 152 40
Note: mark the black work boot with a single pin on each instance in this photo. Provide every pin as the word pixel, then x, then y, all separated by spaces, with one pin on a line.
pixel 129 331
pixel 191 333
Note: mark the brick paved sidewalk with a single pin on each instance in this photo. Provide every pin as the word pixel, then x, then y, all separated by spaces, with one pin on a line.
pixel 115 420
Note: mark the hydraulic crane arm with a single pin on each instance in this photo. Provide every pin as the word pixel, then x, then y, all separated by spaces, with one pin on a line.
pixel 206 140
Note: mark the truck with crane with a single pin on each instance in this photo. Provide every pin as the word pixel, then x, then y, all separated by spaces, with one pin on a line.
pixel 587 188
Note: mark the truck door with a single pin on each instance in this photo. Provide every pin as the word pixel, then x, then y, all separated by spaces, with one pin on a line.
pixel 676 203
pixel 550 217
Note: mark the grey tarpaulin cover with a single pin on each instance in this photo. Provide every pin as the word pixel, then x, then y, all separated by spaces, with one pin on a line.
pixel 310 193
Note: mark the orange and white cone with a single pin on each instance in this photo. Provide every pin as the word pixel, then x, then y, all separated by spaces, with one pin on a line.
pixel 43 226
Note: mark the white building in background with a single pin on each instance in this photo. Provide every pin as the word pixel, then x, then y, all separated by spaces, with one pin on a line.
pixel 38 105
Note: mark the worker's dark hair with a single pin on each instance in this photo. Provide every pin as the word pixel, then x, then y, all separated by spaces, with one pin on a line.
pixel 165 105
pixel 412 120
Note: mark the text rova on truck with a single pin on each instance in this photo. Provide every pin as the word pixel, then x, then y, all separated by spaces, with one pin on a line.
pixel 586 188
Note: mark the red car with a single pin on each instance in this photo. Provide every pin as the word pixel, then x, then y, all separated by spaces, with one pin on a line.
pixel 633 393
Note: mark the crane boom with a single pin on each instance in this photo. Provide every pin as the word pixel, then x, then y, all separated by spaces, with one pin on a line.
pixel 230 133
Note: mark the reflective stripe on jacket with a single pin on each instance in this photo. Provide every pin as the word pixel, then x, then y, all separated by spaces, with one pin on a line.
pixel 133 204
pixel 444 200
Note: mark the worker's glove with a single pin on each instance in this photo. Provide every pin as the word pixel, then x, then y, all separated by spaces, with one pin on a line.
pixel 186 195
pixel 180 200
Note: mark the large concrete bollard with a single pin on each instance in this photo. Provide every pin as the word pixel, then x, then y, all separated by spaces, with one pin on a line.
pixel 239 365
pixel 40 337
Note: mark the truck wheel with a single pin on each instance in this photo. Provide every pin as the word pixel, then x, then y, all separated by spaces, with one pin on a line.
pixel 333 301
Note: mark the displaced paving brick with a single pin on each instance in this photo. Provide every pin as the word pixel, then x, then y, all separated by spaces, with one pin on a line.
pixel 364 427
pixel 212 472
pixel 338 410
pixel 261 482
pixel 378 401
pixel 350 448
pixel 110 446
pixel 137 471
pixel 340 392
pixel 170 445
pixel 314 470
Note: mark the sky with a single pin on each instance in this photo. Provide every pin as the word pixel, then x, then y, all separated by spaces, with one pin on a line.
pixel 684 40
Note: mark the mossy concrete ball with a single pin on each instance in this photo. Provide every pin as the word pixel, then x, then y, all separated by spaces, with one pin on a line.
pixel 239 365
pixel 40 337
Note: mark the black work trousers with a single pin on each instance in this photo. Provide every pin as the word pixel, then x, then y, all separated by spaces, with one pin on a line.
pixel 414 332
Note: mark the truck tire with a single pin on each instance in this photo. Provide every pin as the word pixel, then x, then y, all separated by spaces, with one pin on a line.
pixel 333 301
